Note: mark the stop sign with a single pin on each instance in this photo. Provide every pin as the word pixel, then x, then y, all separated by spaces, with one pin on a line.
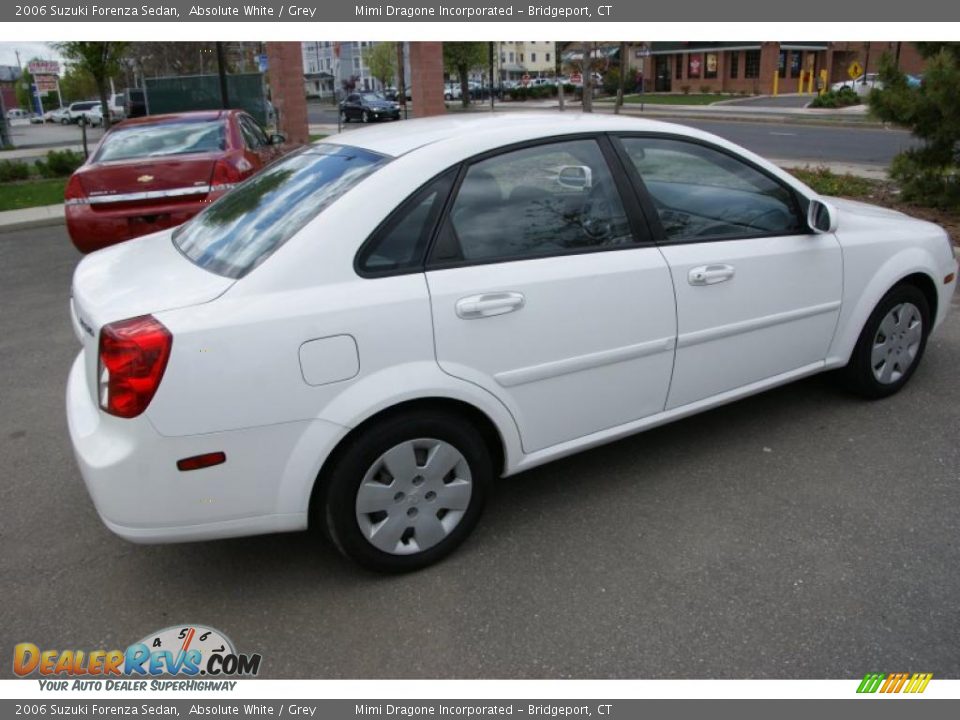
pixel 576 79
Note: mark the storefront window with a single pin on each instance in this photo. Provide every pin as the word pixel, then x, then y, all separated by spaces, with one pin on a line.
pixel 751 64
pixel 782 64
pixel 734 65
pixel 678 66
pixel 795 63
pixel 710 68
pixel 695 66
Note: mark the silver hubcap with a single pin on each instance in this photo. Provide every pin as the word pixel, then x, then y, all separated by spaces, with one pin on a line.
pixel 413 496
pixel 896 343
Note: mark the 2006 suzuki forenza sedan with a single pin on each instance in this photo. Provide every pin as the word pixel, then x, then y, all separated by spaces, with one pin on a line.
pixel 369 331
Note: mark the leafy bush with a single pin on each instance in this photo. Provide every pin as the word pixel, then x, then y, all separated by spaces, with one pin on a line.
pixel 11 170
pixel 59 163
pixel 611 81
pixel 844 97
pixel 685 89
pixel 704 89
pixel 826 182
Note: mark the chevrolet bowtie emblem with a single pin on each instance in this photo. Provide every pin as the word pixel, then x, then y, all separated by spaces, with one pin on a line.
pixel 145 178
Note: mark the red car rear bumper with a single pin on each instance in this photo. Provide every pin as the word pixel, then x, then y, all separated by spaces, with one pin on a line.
pixel 92 227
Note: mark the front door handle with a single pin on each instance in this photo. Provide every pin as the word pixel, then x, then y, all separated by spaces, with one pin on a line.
pixel 710 274
pixel 489 305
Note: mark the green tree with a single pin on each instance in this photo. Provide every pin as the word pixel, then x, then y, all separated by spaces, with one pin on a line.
pixel 382 61
pixel 102 60
pixel 25 90
pixel 460 58
pixel 77 84
pixel 930 173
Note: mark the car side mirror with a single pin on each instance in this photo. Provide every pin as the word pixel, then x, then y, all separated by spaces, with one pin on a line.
pixel 578 177
pixel 277 139
pixel 822 217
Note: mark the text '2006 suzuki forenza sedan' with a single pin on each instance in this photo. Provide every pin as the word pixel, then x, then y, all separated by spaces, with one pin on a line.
pixel 369 331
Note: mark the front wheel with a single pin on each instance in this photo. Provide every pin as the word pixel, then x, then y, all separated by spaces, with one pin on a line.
pixel 364 117
pixel 344 116
pixel 407 491
pixel 891 343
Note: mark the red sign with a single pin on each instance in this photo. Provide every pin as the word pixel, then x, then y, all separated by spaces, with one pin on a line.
pixel 45 83
pixel 43 67
pixel 576 78
pixel 525 80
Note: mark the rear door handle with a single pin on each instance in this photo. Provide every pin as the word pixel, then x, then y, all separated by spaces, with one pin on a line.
pixel 710 274
pixel 489 305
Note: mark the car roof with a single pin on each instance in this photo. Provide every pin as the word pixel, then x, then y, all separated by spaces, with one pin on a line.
pixel 177 117
pixel 400 138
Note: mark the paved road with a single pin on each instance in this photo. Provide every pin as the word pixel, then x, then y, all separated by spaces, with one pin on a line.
pixel 869 146
pixel 798 534
pixel 780 101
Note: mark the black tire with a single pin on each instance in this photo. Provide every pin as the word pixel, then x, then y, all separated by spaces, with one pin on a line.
pixel 858 374
pixel 364 117
pixel 346 118
pixel 353 462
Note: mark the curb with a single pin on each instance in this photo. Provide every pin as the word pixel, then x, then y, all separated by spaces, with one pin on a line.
pixel 44 216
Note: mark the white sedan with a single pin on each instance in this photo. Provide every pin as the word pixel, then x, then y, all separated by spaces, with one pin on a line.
pixel 368 332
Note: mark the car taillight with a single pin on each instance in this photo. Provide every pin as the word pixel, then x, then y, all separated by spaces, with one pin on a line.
pixel 225 176
pixel 74 193
pixel 133 356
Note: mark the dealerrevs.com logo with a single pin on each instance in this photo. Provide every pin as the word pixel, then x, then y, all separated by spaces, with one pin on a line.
pixel 179 651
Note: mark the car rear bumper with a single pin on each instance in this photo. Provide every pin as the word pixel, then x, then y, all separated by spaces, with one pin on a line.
pixel 131 473
pixel 93 227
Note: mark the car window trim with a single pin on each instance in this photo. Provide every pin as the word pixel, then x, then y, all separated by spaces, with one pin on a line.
pixel 645 198
pixel 641 239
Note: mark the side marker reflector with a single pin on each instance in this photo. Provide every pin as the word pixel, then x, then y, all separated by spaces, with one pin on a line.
pixel 198 462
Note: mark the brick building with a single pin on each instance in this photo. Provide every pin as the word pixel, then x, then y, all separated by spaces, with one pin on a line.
pixel 750 67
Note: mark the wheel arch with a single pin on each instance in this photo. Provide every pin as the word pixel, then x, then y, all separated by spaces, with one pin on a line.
pixel 912 267
pixel 488 429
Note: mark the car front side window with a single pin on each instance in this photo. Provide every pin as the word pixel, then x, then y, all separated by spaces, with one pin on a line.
pixel 537 201
pixel 704 194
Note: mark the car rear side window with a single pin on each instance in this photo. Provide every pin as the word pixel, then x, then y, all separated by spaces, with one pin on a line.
pixel 537 201
pixel 399 245
pixel 240 230
pixel 163 139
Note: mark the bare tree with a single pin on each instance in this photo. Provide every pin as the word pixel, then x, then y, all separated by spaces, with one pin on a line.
pixel 587 76
pixel 622 78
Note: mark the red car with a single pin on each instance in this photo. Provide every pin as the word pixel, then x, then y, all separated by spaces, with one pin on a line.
pixel 151 173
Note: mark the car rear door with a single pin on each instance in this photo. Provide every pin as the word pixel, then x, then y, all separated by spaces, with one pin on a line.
pixel 547 292
pixel 758 294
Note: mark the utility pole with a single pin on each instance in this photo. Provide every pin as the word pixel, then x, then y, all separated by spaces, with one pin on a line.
pixel 490 52
pixel 401 79
pixel 222 72
pixel 558 74
pixel 623 78
pixel 587 78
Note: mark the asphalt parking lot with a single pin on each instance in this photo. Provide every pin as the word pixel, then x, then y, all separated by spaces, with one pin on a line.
pixel 802 533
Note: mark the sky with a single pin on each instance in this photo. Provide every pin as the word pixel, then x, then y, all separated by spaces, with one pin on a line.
pixel 28 50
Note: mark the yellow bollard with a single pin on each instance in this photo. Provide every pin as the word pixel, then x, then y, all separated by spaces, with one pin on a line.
pixel 776 78
pixel 823 81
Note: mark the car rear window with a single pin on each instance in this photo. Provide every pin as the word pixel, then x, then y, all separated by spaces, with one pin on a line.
pixel 161 140
pixel 240 230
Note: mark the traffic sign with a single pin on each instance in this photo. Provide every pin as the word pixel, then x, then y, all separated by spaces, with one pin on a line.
pixel 525 79
pixel 576 79
pixel 855 70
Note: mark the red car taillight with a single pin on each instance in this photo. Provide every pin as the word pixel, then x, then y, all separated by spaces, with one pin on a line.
pixel 225 176
pixel 133 356
pixel 74 193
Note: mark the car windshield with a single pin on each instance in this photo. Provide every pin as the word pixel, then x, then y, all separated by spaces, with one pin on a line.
pixel 238 232
pixel 371 97
pixel 175 138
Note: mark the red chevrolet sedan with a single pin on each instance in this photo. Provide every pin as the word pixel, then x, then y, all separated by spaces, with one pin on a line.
pixel 151 173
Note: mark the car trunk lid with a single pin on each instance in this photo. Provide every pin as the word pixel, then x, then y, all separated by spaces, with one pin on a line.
pixel 139 277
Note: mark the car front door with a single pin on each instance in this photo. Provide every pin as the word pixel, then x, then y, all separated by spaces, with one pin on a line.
pixel 547 292
pixel 351 107
pixel 758 294
pixel 256 141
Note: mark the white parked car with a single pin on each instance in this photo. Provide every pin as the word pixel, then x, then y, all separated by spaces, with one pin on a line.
pixel 862 85
pixel 370 331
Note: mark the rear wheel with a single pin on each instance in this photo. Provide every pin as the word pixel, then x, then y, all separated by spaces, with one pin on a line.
pixel 891 344
pixel 344 116
pixel 407 491
pixel 364 117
